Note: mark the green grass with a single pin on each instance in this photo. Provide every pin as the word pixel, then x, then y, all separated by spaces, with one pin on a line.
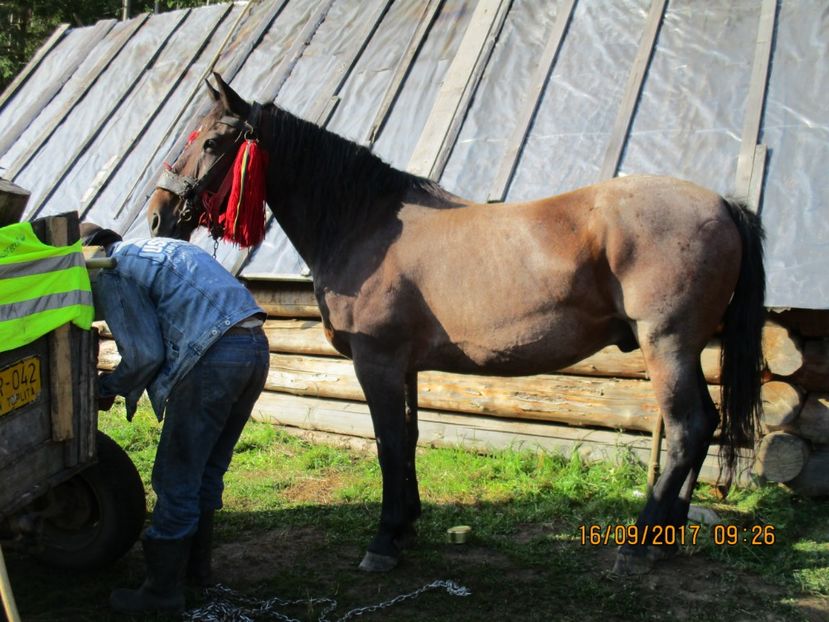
pixel 297 517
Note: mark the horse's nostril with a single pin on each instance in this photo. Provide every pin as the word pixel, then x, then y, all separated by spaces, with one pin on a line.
pixel 155 223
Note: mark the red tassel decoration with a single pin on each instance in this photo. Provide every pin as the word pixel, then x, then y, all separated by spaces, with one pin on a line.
pixel 244 219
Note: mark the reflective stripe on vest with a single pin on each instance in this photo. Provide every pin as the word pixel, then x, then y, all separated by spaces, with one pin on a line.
pixel 41 287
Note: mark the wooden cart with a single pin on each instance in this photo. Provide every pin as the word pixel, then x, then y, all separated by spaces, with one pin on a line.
pixel 67 492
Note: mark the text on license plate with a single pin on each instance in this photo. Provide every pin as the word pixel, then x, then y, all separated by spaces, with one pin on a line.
pixel 19 384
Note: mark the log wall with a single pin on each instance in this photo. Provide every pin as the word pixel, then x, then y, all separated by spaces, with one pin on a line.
pixel 598 407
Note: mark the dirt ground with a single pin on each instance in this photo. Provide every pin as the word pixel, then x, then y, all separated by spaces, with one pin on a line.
pixel 675 590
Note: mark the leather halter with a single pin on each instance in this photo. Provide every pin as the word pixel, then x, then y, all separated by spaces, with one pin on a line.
pixel 192 190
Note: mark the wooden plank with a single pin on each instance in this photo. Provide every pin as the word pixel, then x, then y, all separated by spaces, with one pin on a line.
pixel 459 83
pixel 624 116
pixel 60 352
pixel 402 68
pixel 758 175
pixel 71 63
pixel 755 101
pixel 144 189
pixel 295 52
pixel 306 337
pixel 576 400
pixel 328 99
pixel 90 138
pixel 545 64
pixel 181 68
pixel 31 66
pixel 442 429
pixel 116 46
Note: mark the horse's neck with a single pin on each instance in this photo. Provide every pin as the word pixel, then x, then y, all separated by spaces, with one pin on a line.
pixel 324 203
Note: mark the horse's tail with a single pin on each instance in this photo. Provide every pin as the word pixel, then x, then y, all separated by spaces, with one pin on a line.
pixel 742 353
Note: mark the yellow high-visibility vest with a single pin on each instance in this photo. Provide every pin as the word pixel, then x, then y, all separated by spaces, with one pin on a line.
pixel 41 287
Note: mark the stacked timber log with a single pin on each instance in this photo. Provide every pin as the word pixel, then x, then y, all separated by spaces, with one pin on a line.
pixel 597 407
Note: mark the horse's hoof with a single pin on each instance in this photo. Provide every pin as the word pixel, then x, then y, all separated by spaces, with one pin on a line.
pixel 630 564
pixel 374 562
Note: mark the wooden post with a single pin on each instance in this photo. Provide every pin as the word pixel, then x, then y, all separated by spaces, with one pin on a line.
pixel 751 162
pixel 60 352
pixel 656 452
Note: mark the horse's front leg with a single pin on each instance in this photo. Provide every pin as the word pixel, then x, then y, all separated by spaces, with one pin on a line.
pixel 382 380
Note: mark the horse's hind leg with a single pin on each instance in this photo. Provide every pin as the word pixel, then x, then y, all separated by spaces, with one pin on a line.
pixel 679 512
pixel 675 373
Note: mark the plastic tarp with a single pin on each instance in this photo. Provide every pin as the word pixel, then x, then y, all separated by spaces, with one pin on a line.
pixel 687 122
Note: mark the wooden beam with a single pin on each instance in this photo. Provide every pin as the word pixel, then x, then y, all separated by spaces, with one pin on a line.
pixel 402 68
pixel 624 116
pixel 59 116
pixel 104 116
pixel 31 66
pixel 747 171
pixel 459 84
pixel 544 67
pixel 442 429
pixel 576 400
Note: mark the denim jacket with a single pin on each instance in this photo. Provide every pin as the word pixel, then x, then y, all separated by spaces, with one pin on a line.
pixel 166 303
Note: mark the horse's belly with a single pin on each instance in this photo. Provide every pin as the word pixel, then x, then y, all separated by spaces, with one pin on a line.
pixel 521 349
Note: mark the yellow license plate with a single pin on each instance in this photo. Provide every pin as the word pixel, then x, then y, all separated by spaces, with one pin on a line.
pixel 19 384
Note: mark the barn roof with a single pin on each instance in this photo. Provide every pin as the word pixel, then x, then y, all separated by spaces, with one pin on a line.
pixel 497 99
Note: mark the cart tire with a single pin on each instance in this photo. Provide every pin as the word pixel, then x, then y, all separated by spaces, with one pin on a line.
pixel 102 512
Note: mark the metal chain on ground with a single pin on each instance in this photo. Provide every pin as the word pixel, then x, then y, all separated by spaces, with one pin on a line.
pixel 227 605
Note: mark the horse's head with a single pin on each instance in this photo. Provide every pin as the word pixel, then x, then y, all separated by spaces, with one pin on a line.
pixel 199 178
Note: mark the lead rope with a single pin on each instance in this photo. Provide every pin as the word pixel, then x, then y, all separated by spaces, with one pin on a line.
pixel 226 605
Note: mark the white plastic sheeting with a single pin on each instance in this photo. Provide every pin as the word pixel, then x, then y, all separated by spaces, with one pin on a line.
pixel 105 135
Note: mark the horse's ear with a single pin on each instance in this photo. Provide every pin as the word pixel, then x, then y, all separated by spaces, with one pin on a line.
pixel 231 100
pixel 214 94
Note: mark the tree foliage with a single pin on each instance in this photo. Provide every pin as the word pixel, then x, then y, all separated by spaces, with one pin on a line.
pixel 25 25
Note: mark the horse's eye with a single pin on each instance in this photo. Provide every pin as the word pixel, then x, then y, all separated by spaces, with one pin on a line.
pixel 210 145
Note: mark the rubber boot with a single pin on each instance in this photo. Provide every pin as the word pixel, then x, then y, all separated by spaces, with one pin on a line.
pixel 199 565
pixel 162 590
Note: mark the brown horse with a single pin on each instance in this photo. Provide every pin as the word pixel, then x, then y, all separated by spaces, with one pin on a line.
pixel 409 277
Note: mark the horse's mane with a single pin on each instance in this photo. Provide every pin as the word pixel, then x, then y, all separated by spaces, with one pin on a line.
pixel 342 186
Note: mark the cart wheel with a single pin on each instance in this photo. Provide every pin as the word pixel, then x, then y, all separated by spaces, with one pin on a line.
pixel 94 518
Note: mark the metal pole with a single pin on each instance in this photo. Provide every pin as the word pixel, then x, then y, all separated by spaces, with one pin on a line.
pixel 127 9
